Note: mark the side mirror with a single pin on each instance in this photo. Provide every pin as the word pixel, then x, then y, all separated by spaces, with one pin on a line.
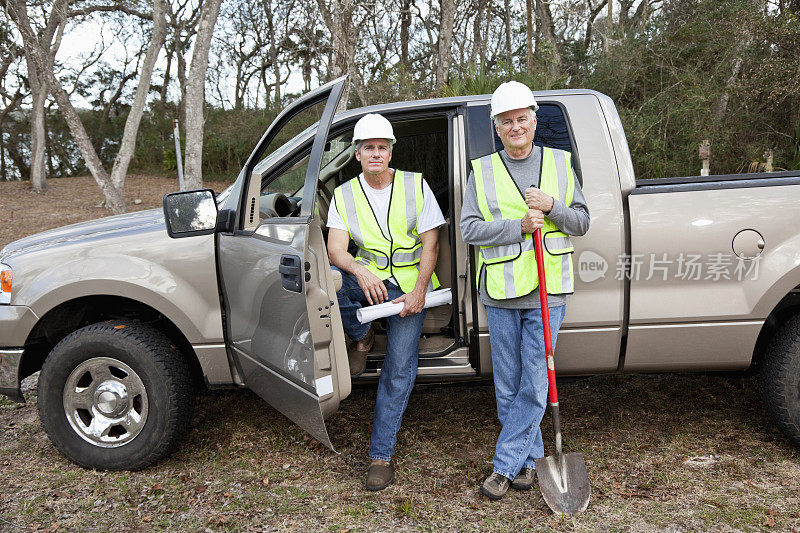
pixel 190 213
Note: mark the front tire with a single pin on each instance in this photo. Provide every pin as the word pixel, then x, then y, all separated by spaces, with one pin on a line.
pixel 780 378
pixel 115 395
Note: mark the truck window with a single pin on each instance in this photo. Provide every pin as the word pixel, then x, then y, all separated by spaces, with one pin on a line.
pixel 289 181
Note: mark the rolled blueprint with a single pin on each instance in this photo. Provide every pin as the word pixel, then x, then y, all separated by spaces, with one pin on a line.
pixel 374 312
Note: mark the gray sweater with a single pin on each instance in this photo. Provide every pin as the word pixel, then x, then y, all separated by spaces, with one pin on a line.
pixel 572 220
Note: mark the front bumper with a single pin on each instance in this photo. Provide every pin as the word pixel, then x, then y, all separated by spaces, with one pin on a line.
pixel 16 323
pixel 10 360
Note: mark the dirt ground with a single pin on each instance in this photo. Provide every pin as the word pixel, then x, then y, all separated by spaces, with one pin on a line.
pixel 686 452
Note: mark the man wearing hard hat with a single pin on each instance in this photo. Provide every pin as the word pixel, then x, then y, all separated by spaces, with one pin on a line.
pixel 500 219
pixel 393 218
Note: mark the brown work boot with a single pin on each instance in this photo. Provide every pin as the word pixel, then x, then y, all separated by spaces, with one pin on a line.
pixel 524 480
pixel 357 353
pixel 380 474
pixel 495 486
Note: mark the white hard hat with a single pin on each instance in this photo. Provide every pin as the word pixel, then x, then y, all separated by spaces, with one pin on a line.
pixel 512 95
pixel 373 126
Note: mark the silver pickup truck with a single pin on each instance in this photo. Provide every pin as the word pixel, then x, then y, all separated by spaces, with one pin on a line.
pixel 127 316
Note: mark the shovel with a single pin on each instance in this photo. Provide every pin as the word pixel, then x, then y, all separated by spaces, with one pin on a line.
pixel 562 477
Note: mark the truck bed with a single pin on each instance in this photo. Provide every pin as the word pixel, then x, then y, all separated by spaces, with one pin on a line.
pixel 721 181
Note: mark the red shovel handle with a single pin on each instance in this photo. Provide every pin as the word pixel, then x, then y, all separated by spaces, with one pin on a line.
pixel 548 342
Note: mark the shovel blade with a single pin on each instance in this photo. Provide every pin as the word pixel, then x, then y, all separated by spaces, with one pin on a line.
pixel 564 482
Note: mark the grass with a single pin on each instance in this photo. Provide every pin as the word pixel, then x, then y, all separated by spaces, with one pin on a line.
pixel 244 467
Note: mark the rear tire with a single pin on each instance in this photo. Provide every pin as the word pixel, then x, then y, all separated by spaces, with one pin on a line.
pixel 115 395
pixel 780 378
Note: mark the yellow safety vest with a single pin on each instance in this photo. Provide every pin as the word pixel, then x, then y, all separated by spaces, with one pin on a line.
pixel 511 269
pixel 397 254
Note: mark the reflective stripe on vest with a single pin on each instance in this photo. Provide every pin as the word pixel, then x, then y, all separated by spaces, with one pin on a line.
pixel 398 253
pixel 510 270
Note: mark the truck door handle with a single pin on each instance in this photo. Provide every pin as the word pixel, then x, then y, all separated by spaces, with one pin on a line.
pixel 289 268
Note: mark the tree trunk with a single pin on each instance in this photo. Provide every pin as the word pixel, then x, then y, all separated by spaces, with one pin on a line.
pixel 624 12
pixel 38 137
pixel 163 92
pixel 39 86
pixel 3 172
pixel 273 51
pixel 344 30
pixel 180 48
pixel 721 107
pixel 610 28
pixel 477 37
pixel 529 35
pixel 37 118
pixel 448 13
pixel 593 13
pixel 645 15
pixel 195 95
pixel 405 25
pixel 128 143
pixel 546 30
pixel 507 21
pixel 19 162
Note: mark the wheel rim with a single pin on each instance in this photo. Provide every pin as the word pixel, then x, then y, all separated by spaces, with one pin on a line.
pixel 105 402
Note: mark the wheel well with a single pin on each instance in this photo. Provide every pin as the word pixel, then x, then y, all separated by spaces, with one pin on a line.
pixel 75 314
pixel 786 308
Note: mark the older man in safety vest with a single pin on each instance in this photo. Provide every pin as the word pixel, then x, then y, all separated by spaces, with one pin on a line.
pixel 500 219
pixel 393 218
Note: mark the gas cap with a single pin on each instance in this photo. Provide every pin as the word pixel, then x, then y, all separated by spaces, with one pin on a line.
pixel 748 244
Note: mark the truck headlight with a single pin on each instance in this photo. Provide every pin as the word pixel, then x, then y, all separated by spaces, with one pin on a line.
pixel 5 284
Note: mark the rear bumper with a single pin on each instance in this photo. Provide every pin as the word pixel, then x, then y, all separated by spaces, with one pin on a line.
pixel 10 360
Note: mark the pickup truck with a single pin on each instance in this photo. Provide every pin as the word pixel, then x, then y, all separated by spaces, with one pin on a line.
pixel 127 316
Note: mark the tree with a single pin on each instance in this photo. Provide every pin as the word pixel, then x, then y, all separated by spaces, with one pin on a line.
pixel 42 62
pixel 529 35
pixel 195 94
pixel 182 20
pixel 123 159
pixel 545 28
pixel 49 39
pixel 39 59
pixel 242 44
pixel 447 17
pixel 11 90
pixel 340 19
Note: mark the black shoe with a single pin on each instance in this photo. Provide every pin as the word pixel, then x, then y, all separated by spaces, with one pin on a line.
pixel 524 480
pixel 495 486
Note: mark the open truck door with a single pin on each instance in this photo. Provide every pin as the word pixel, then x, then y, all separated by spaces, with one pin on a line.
pixel 281 314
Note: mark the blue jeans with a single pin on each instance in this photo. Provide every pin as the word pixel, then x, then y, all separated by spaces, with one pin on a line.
pixel 520 383
pixel 399 368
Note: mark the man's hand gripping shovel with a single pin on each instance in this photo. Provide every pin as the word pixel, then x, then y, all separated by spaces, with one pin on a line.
pixel 562 477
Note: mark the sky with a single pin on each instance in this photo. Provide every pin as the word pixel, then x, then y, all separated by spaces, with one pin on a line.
pixel 83 40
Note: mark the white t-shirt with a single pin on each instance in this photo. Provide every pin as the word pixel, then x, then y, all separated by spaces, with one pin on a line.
pixel 429 218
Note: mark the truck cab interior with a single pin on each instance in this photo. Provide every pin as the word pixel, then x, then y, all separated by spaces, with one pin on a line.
pixel 423 145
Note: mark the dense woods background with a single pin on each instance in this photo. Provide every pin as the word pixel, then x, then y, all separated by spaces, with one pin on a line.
pixel 680 71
